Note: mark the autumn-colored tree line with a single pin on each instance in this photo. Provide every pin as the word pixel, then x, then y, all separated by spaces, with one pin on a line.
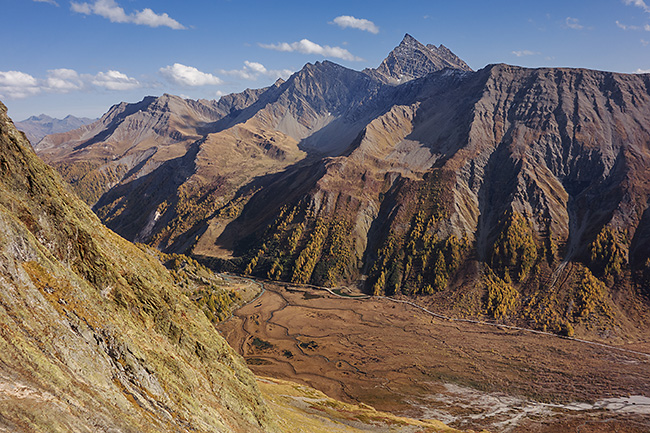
pixel 418 253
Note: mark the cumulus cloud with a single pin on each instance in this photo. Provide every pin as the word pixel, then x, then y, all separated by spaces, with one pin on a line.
pixel 523 53
pixel 52 2
pixel 356 23
pixel 642 71
pixel 256 67
pixel 574 23
pixel 82 8
pixel 17 85
pixel 63 80
pixel 253 70
pixel 188 76
pixel 112 11
pixel 305 46
pixel 115 80
pixel 638 3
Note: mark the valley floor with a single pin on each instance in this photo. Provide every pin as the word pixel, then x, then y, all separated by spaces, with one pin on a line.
pixel 399 359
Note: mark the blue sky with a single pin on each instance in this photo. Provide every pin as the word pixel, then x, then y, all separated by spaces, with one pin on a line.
pixel 80 57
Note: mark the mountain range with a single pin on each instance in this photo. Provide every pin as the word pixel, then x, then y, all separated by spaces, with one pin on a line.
pixel 101 335
pixel 513 193
pixel 37 127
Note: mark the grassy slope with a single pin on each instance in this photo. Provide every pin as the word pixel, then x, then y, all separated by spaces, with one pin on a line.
pixel 94 333
pixel 303 409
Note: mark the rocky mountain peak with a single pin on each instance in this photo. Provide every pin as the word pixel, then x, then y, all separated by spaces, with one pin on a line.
pixel 409 41
pixel 39 118
pixel 412 59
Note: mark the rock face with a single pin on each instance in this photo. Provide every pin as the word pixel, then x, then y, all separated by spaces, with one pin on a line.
pixel 95 335
pixel 520 194
pixel 37 127
pixel 411 59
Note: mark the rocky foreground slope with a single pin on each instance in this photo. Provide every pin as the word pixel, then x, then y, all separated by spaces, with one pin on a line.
pixel 513 193
pixel 95 334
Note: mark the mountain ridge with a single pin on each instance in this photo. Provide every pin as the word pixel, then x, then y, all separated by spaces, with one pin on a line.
pixel 518 187
pixel 37 127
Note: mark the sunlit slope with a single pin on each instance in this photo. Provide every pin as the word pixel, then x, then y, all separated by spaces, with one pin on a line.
pixel 94 333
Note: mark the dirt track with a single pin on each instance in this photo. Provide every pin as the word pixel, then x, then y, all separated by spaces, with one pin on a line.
pixel 400 359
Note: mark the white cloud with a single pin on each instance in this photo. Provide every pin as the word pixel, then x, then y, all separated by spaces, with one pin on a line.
pixel 280 73
pixel 257 67
pixel 253 70
pixel 356 23
pixel 112 11
pixel 620 25
pixel 63 80
pixel 52 2
pixel 82 8
pixel 574 23
pixel 147 17
pixel 115 80
pixel 638 3
pixel 523 53
pixel 645 43
pixel 305 46
pixel 642 71
pixel 626 27
pixel 244 73
pixel 17 85
pixel 189 76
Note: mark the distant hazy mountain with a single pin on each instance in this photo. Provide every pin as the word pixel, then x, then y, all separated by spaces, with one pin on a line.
pixel 514 193
pixel 37 127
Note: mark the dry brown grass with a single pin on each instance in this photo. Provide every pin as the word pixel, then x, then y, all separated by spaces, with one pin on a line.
pixel 395 357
